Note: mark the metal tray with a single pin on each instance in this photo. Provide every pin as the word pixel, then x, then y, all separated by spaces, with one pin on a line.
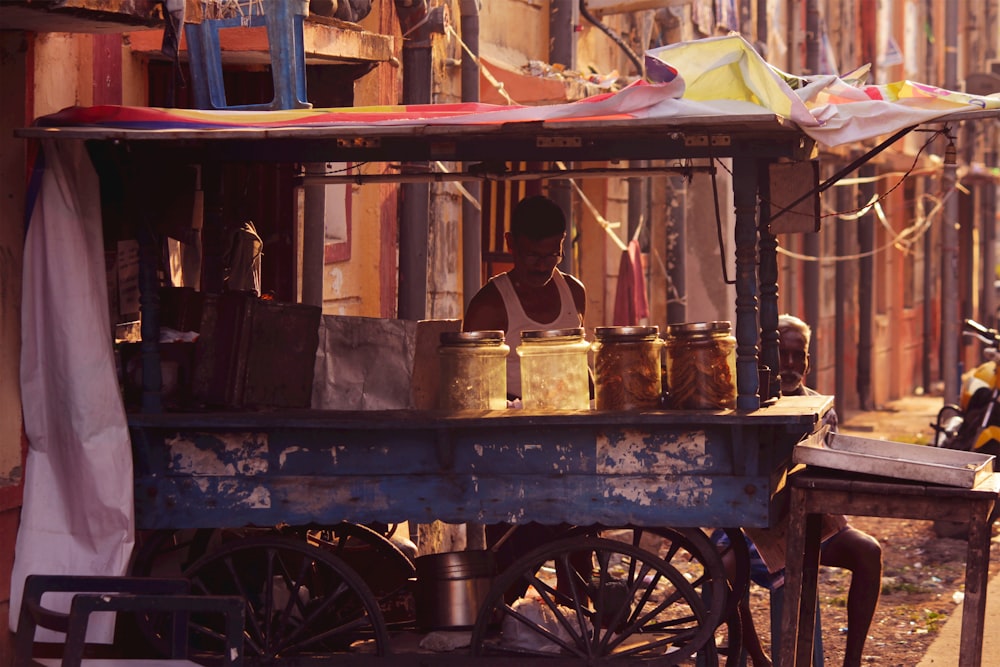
pixel 921 463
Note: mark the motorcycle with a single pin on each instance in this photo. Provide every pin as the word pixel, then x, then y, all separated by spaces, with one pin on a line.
pixel 974 424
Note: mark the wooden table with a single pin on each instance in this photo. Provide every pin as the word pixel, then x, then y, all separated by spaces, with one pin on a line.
pixel 814 492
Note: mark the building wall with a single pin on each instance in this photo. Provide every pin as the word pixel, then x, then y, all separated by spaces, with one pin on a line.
pixel 362 283
pixel 55 70
pixel 13 72
pixel 860 33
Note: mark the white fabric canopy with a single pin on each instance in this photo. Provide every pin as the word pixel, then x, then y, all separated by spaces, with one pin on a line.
pixel 77 515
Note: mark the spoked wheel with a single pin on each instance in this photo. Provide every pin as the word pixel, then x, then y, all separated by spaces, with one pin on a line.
pixel 631 606
pixel 160 553
pixel 167 553
pixel 692 553
pixel 301 601
pixel 737 551
pixel 379 562
pixel 738 554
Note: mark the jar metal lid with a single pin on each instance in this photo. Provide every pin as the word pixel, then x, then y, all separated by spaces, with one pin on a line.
pixel 626 333
pixel 549 334
pixel 700 328
pixel 486 337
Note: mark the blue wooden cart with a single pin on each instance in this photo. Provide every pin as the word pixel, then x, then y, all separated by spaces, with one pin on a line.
pixel 631 471
pixel 643 471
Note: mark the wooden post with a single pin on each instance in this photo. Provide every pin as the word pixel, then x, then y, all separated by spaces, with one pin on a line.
pixel 745 174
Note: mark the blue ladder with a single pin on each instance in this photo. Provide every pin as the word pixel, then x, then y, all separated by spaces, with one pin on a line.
pixel 283 19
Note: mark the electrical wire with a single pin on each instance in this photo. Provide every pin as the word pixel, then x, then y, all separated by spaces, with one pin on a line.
pixel 901 241
pixel 585 13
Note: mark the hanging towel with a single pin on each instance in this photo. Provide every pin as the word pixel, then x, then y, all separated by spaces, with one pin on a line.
pixel 630 297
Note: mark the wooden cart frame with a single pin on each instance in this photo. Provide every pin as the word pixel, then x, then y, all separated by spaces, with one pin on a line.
pixel 661 468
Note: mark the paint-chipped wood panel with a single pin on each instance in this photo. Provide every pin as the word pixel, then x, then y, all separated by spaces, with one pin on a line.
pixel 668 468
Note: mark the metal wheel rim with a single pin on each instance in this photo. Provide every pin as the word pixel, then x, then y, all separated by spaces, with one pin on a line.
pixel 315 604
pixel 644 610
pixel 681 546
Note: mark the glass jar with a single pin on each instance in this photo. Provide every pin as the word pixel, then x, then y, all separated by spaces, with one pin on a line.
pixel 555 374
pixel 701 365
pixel 627 368
pixel 473 370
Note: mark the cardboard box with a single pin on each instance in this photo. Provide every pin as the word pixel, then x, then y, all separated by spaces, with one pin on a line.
pixel 255 353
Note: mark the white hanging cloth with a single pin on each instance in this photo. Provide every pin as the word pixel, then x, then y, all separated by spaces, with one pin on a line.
pixel 77 514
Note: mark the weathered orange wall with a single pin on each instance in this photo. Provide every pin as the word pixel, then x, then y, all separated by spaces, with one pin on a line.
pixel 14 56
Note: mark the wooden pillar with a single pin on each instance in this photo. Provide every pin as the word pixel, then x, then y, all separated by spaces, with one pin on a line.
pixel 768 295
pixel 745 175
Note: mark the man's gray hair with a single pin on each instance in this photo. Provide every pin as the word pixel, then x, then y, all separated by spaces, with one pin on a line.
pixel 787 321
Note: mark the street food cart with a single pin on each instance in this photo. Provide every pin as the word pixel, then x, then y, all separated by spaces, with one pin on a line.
pixel 662 471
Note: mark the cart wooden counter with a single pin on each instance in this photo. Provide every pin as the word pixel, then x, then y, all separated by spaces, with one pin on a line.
pixel 679 468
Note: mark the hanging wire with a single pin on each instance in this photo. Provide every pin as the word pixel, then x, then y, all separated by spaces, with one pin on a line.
pixel 841 182
pixel 493 81
pixel 902 240
pixel 672 294
pixel 626 49
pixel 604 223
pixel 458 186
pixel 718 226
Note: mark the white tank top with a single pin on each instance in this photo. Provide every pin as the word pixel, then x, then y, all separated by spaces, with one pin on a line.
pixel 518 321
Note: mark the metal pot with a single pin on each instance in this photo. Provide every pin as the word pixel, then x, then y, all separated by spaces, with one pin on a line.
pixel 451 587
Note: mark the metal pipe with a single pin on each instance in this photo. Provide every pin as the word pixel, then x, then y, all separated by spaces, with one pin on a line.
pixel 811 270
pixel 866 305
pixel 533 175
pixel 563 19
pixel 149 307
pixel 638 210
pixel 950 334
pixel 311 243
pixel 472 225
pixel 988 209
pixel 843 296
pixel 811 297
pixel 417 22
pixel 674 251
pixel 928 318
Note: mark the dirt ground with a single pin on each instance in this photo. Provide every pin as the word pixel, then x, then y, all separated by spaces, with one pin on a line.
pixel 922 581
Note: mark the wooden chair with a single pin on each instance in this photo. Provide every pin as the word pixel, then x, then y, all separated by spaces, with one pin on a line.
pixel 119 594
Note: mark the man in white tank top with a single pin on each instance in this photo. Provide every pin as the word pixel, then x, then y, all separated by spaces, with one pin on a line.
pixel 534 295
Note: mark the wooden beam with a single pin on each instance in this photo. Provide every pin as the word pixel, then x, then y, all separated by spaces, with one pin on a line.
pixel 324 43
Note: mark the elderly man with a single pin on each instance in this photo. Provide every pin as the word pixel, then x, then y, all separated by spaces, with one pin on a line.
pixel 848 548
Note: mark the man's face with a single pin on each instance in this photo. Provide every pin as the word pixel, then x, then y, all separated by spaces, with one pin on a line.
pixel 535 261
pixel 793 360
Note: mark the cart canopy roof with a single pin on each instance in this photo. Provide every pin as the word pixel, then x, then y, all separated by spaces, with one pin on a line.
pixel 706 87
